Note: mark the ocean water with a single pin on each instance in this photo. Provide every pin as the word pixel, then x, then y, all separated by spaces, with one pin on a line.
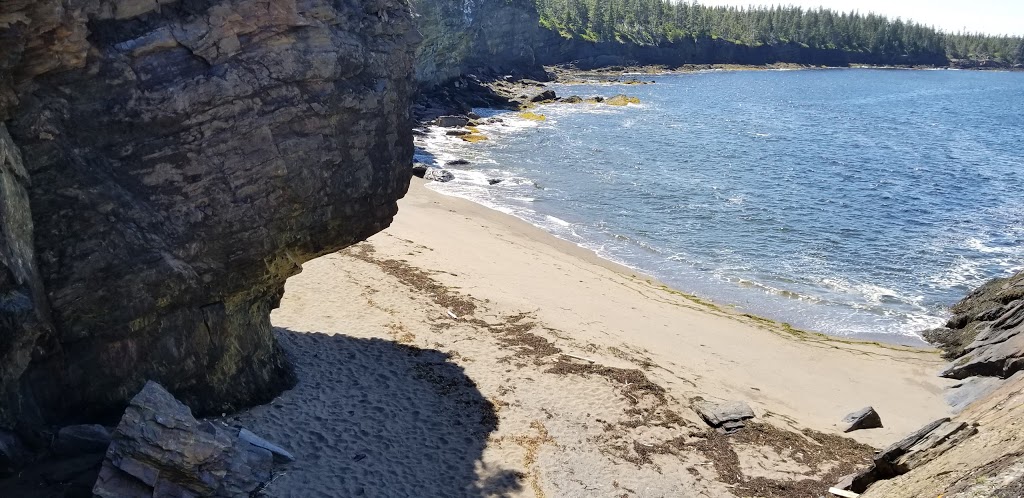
pixel 852 202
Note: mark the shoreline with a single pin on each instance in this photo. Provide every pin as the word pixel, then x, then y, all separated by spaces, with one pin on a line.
pixel 723 309
pixel 569 75
pixel 901 339
pixel 526 362
pixel 727 309
pixel 643 284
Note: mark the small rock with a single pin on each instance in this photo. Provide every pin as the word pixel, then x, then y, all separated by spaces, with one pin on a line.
pixel 456 162
pixel 495 120
pixel 846 482
pixel 472 115
pixel 439 175
pixel 81 440
pixel 494 181
pixel 544 96
pixel 728 416
pixel 451 121
pixel 573 99
pixel 457 132
pixel 865 418
pixel 419 169
pixel 280 454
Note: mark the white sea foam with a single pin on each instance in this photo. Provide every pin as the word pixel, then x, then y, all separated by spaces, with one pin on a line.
pixel 557 221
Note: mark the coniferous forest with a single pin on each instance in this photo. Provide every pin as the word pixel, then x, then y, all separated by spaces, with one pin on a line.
pixel 656 21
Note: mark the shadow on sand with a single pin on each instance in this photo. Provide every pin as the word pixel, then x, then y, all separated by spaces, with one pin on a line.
pixel 371 417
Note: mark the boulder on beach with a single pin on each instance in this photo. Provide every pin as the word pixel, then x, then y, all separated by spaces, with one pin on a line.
pixel 727 416
pixel 865 418
pixel 160 449
pixel 419 169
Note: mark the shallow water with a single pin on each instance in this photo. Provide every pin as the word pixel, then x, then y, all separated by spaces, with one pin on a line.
pixel 851 202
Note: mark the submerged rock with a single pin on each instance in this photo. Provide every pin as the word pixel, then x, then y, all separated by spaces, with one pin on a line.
pixel 622 100
pixel 160 449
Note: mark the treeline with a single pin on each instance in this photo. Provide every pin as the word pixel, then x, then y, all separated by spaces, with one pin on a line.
pixel 656 21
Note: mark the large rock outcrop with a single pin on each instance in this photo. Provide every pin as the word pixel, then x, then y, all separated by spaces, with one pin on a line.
pixel 165 166
pixel 986 334
pixel 979 452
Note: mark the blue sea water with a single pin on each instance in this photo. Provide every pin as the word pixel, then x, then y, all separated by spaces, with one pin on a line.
pixel 853 202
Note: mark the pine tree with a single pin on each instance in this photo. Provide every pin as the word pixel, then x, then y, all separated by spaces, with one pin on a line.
pixel 657 21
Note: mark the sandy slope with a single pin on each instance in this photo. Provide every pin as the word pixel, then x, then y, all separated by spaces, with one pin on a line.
pixel 398 398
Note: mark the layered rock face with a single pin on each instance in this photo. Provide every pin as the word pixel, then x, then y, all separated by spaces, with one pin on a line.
pixel 496 37
pixel 986 334
pixel 168 165
pixel 979 452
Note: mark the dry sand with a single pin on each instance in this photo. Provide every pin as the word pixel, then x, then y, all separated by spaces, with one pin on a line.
pixel 431 362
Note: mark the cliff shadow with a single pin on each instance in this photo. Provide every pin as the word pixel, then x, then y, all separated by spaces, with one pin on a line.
pixel 371 417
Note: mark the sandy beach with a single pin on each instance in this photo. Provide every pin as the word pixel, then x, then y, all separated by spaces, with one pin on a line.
pixel 463 352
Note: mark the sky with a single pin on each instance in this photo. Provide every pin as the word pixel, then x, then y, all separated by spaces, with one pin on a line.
pixel 996 17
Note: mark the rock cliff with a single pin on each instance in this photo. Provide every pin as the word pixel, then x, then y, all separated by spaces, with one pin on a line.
pixel 494 37
pixel 165 165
